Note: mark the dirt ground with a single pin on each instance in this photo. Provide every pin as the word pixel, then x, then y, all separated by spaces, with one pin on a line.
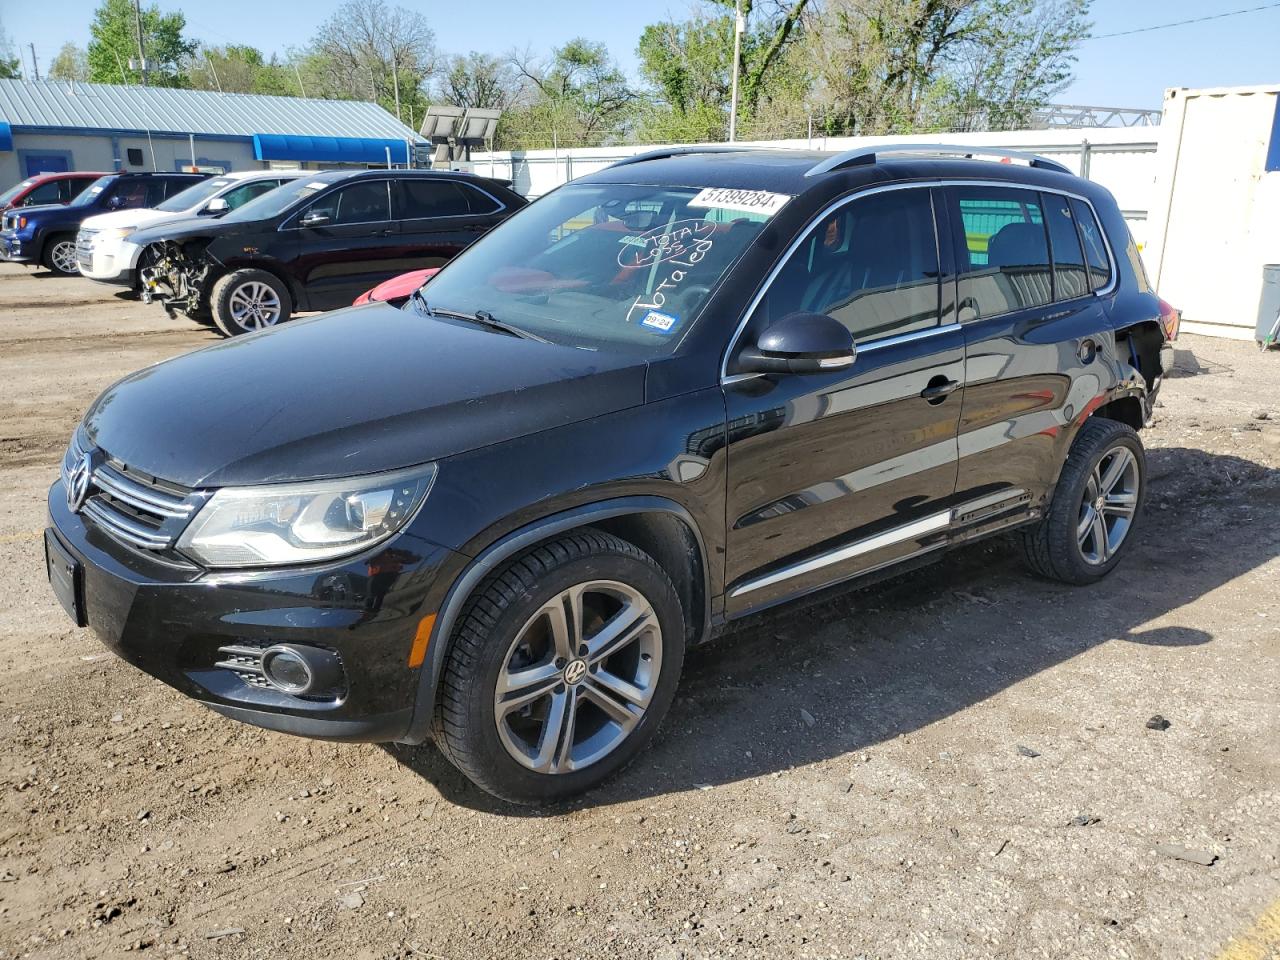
pixel 954 764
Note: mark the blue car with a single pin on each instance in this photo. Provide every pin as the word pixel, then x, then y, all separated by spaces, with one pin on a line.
pixel 47 234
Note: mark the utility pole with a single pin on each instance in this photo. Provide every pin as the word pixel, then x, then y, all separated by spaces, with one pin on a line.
pixel 298 73
pixel 142 53
pixel 395 80
pixel 739 25
pixel 35 67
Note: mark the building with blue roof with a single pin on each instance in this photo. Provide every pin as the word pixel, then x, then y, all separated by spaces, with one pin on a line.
pixel 56 125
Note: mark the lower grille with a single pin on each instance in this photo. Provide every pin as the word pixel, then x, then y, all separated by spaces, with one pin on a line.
pixel 244 659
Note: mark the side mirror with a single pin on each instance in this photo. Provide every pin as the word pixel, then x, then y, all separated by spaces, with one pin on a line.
pixel 801 343
pixel 215 207
pixel 314 219
pixel 115 203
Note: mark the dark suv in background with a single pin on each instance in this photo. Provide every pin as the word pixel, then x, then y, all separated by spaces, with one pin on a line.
pixel 47 234
pixel 318 243
pixel 666 396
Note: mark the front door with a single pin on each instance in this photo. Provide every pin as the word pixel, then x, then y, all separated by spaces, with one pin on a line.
pixel 347 243
pixel 835 473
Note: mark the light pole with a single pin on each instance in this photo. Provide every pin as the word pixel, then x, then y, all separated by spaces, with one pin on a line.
pixel 739 25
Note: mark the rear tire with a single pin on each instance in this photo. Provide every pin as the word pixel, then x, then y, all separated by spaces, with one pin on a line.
pixel 60 255
pixel 1095 508
pixel 245 301
pixel 562 665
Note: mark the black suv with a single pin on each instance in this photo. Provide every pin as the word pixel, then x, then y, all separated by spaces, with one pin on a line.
pixel 667 395
pixel 318 243
pixel 47 234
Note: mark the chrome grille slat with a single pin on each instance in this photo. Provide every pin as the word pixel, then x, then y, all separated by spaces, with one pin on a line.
pixel 136 495
pixel 126 529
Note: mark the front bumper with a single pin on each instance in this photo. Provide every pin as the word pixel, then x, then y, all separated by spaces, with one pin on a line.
pixel 12 250
pixel 170 619
pixel 113 263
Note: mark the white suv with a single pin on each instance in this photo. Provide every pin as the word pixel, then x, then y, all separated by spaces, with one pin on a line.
pixel 103 248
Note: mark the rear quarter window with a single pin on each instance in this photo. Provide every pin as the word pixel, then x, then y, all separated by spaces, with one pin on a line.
pixel 1095 248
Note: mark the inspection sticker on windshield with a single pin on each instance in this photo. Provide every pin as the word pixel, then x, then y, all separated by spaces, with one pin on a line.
pixel 659 322
pixel 748 201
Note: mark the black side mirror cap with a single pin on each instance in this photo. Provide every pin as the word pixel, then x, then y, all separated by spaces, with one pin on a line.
pixel 801 343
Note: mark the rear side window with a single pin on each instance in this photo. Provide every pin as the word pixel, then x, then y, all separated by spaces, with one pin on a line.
pixel 1069 278
pixel 1095 250
pixel 1004 263
pixel 423 199
pixel 872 265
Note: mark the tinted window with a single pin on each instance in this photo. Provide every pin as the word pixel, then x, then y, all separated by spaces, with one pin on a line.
pixel 420 199
pixel 130 193
pixel 45 193
pixel 1095 250
pixel 242 195
pixel 1069 278
pixel 1004 264
pixel 873 265
pixel 364 202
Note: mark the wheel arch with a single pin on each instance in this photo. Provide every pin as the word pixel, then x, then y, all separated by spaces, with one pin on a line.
pixel 219 269
pixel 661 527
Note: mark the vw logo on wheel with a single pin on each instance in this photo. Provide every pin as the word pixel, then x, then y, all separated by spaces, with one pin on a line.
pixel 78 483
pixel 575 671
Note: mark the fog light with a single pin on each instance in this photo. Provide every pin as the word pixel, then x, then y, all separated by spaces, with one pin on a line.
pixel 288 670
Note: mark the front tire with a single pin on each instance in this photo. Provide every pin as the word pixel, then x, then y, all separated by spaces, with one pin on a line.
pixel 60 255
pixel 562 665
pixel 1095 506
pixel 245 301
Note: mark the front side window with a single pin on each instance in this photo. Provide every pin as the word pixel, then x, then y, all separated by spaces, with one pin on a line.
pixel 1004 263
pixel 1069 278
pixel 45 193
pixel 605 266
pixel 291 195
pixel 872 265
pixel 364 202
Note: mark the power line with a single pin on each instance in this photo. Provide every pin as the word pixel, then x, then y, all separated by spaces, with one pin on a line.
pixel 1183 23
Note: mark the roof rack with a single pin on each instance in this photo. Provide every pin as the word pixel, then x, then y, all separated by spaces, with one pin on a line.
pixel 664 152
pixel 867 155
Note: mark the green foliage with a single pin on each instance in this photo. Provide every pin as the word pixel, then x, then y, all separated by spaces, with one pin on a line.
pixel 115 41
pixel 10 64
pixel 236 68
pixel 70 64
pixel 578 98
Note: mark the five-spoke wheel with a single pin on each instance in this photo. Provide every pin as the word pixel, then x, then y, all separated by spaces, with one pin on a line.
pixel 245 301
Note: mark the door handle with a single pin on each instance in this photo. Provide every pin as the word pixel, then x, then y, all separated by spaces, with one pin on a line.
pixel 939 388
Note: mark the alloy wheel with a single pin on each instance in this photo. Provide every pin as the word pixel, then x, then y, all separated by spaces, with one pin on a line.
pixel 1108 506
pixel 254 305
pixel 578 677
pixel 64 257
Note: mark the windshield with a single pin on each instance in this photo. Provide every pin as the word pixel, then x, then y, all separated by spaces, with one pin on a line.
pixel 606 265
pixel 7 197
pixel 91 194
pixel 277 201
pixel 195 195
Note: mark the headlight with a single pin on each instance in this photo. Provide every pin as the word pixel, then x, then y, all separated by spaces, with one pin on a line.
pixel 113 233
pixel 295 523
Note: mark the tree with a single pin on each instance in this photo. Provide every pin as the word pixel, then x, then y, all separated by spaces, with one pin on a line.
pixel 366 50
pixel 10 65
pixel 479 80
pixel 115 42
pixel 579 97
pixel 71 63
pixel 237 68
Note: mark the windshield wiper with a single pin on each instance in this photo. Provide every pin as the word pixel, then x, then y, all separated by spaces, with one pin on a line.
pixel 482 317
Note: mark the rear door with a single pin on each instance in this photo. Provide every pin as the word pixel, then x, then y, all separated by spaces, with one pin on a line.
pixel 347 243
pixel 834 473
pixel 439 218
pixel 1033 329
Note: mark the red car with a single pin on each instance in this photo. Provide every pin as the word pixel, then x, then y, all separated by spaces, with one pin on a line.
pixel 398 289
pixel 47 188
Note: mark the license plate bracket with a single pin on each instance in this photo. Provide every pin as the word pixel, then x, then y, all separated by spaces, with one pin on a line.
pixel 66 576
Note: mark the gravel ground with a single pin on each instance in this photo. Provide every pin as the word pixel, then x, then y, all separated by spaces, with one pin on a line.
pixel 957 763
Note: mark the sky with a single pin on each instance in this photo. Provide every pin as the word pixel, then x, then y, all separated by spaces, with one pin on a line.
pixel 1125 71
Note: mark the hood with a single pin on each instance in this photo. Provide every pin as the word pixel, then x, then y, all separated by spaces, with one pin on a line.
pixel 50 211
pixel 356 391
pixel 187 227
pixel 137 218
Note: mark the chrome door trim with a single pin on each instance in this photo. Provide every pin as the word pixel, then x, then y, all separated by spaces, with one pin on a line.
pixel 835 205
pixel 909 531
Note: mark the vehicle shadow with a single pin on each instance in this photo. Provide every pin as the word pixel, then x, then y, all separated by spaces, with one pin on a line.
pixel 868 664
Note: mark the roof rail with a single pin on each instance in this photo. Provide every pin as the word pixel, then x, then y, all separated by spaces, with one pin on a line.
pixel 664 152
pixel 867 155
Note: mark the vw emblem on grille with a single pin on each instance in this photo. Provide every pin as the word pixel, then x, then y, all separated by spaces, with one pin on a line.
pixel 78 483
